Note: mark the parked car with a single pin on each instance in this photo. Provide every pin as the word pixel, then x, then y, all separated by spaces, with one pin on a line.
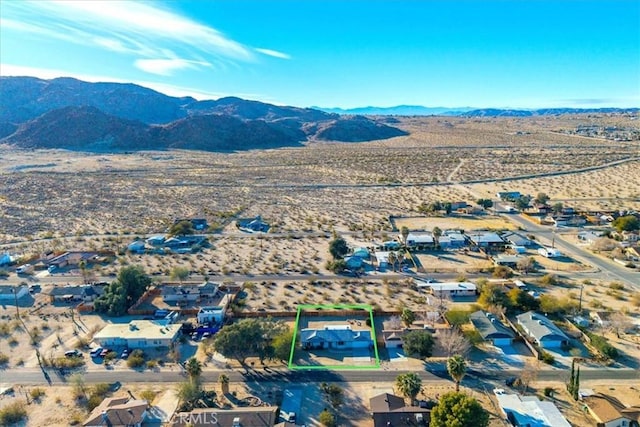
pixel 96 352
pixel 125 354
pixel 206 335
pixel 72 353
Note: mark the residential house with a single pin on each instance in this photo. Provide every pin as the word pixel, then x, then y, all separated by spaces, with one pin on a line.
pixel 420 240
pixel 10 292
pixel 389 410
pixel 118 412
pixel 530 411
pixel 70 258
pixel 517 239
pixel 590 236
pixel 189 293
pixel 260 416
pixel 138 334
pixel 362 253
pixel 455 206
pixel 214 313
pixel 507 260
pixel 393 337
pixel 6 259
pixel 335 337
pixel 353 262
pixel 80 293
pixel 487 240
pixel 491 328
pixel 137 246
pixel 449 289
pixel 610 412
pixel 566 220
pixel 252 225
pixel 382 259
pixel 542 330
pixel 157 240
pixel 452 239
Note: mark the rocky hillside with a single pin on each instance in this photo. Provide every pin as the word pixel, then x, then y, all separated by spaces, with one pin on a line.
pixel 69 113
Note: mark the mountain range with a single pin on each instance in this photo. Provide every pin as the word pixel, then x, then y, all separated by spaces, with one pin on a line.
pixel 73 114
pixel 419 110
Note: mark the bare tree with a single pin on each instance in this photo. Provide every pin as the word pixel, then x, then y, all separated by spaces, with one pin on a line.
pixel 618 322
pixel 394 323
pixel 452 341
pixel 529 373
pixel 435 304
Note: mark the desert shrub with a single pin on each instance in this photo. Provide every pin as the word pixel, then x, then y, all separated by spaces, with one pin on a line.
pixel 13 413
pixel 101 390
pixel 4 273
pixel 36 393
pixel 136 359
pixel 547 358
pixel 4 359
pixel 66 362
pixel 473 336
pixel 603 346
pixel 5 329
pixel 549 280
pixel 148 395
pixel 549 391
pixel 152 364
pixel 93 402
pixel 616 286
pixel 635 299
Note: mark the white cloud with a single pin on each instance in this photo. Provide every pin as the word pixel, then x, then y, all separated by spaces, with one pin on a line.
pixel 166 67
pixel 139 29
pixel 274 53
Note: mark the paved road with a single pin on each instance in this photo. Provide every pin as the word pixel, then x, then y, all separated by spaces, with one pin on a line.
pixel 32 376
pixel 608 269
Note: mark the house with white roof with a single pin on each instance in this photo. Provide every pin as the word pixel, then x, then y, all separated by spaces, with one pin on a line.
pixel 530 411
pixel 449 289
pixel 138 334
pixel 542 330
pixel 420 240
pixel 337 337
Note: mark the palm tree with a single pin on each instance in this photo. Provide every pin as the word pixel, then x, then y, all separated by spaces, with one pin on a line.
pixel 194 369
pixel 83 271
pixel 437 232
pixel 457 368
pixel 224 383
pixel 392 260
pixel 409 385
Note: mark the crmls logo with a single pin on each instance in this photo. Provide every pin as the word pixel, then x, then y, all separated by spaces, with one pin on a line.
pixel 202 418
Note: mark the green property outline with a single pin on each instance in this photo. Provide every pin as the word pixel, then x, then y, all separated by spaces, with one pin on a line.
pixel 364 307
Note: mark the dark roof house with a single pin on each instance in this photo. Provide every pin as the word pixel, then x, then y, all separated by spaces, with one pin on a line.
pixel 491 329
pixel 389 410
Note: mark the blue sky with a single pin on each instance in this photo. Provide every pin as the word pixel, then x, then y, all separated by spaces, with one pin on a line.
pixel 339 53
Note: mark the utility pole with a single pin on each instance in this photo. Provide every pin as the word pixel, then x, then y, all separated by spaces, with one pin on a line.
pixel 15 297
pixel 580 301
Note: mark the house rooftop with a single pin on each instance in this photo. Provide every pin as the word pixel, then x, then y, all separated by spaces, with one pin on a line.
pixel 144 329
pixel 9 289
pixel 530 411
pixel 489 326
pixel 115 412
pixel 261 416
pixel 485 237
pixel 539 326
pixel 447 286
